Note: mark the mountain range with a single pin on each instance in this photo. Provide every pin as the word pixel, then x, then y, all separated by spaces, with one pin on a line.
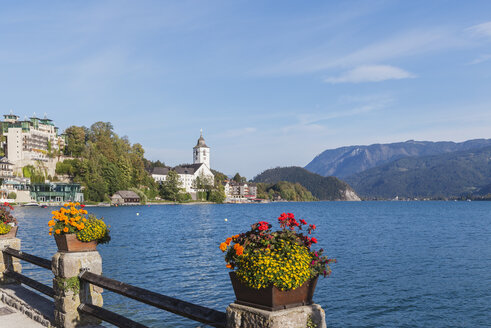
pixel 346 161
pixel 411 169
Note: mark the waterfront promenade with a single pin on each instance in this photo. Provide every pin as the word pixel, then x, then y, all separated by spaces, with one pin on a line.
pixel 22 308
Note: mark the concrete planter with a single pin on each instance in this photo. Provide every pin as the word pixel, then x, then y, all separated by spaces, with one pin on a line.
pixel 70 243
pixel 271 298
pixel 11 234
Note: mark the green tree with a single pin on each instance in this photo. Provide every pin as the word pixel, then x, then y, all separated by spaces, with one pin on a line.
pixel 170 188
pixel 76 138
pixel 238 178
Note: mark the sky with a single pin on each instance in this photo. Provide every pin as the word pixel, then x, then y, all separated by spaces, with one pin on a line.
pixel 271 83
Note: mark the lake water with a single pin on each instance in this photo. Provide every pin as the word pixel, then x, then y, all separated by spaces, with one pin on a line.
pixel 400 264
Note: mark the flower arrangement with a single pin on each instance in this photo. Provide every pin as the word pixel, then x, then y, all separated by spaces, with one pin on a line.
pixel 7 220
pixel 282 258
pixel 72 218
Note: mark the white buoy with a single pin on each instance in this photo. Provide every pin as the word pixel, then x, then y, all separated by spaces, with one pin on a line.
pixel 137 214
pixel 226 220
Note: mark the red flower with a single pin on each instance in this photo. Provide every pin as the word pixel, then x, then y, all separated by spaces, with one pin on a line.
pixel 291 216
pixel 314 240
pixel 282 217
pixel 263 225
pixel 82 206
pixel 303 222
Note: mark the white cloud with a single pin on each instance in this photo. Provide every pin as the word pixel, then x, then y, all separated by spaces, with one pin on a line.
pixel 405 44
pixel 480 59
pixel 483 29
pixel 371 73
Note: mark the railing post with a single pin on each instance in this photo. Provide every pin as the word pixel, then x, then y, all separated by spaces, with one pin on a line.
pixel 241 316
pixel 70 292
pixel 8 262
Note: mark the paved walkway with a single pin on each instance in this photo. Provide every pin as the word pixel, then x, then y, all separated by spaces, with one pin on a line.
pixel 22 308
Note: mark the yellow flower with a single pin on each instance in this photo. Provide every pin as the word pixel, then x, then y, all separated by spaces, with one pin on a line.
pixel 65 229
pixel 51 223
pixel 57 231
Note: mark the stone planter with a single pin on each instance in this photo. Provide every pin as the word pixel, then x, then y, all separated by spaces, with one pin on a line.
pixel 70 243
pixel 11 234
pixel 271 298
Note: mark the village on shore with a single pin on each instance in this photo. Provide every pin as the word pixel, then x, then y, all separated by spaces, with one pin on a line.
pixel 36 144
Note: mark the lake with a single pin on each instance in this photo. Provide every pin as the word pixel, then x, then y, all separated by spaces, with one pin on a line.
pixel 400 264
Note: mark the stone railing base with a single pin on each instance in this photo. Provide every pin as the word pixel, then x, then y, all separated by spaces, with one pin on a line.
pixel 241 316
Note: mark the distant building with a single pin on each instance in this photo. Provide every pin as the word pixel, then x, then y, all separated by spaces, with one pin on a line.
pixel 125 197
pixel 189 173
pixel 239 191
pixel 56 192
pixel 30 139
pixel 6 168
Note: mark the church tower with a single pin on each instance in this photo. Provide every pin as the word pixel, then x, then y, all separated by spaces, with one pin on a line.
pixel 201 152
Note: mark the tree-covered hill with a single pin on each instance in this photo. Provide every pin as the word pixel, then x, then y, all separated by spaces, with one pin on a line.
pixel 323 188
pixel 285 191
pixel 104 162
pixel 447 175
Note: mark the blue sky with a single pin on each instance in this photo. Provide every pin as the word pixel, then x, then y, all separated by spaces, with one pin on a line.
pixel 271 83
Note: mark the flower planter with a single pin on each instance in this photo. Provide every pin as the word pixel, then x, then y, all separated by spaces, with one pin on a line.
pixel 271 298
pixel 11 234
pixel 70 243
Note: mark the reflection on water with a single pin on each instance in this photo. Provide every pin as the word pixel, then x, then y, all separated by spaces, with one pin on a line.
pixel 411 264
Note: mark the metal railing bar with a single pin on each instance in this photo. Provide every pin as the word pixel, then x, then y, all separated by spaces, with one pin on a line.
pixel 39 261
pixel 46 290
pixel 109 316
pixel 185 309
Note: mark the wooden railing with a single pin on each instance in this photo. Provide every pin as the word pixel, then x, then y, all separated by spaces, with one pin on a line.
pixel 43 263
pixel 185 309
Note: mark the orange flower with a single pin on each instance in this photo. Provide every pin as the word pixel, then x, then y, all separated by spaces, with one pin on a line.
pixel 223 247
pixel 239 251
pixel 229 266
pixel 50 234
pixel 50 229
pixel 65 229
pixel 57 231
pixel 51 223
pixel 236 246
pixel 228 240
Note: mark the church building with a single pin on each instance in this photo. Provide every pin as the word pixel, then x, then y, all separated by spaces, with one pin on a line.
pixel 188 173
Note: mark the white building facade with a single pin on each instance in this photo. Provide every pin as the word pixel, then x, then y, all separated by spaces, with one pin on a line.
pixel 30 139
pixel 189 173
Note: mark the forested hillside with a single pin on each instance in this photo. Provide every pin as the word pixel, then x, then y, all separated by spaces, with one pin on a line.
pixel 447 175
pixel 104 162
pixel 284 190
pixel 346 161
pixel 323 188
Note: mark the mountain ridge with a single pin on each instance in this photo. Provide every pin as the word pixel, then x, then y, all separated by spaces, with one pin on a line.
pixel 445 175
pixel 346 161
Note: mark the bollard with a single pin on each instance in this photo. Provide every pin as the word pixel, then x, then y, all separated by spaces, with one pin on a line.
pixel 8 262
pixel 70 292
pixel 242 316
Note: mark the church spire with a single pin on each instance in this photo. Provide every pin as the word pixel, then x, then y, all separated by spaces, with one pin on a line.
pixel 201 152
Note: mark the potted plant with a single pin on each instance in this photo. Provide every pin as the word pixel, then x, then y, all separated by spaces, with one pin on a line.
pixel 275 269
pixel 8 224
pixel 76 231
